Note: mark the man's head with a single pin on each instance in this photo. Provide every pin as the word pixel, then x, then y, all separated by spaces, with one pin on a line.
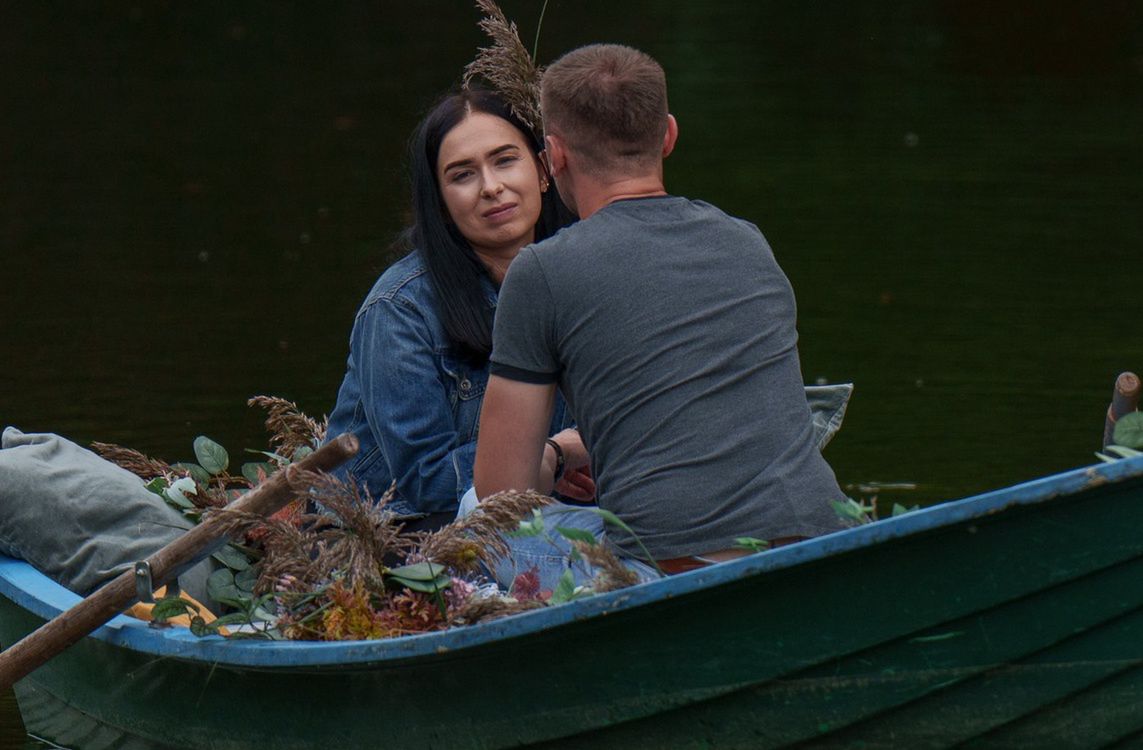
pixel 607 103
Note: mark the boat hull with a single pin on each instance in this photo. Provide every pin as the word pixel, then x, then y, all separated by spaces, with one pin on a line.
pixel 1013 619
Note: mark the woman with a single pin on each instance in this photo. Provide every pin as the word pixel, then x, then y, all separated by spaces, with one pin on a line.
pixel 418 360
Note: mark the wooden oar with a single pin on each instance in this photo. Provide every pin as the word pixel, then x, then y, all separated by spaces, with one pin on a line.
pixel 36 648
pixel 1124 400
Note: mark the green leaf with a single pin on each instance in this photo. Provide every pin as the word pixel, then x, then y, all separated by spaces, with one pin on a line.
pixel 577 535
pixel 234 618
pixel 245 580
pixel 199 474
pixel 422 571
pixel 257 471
pixel 231 558
pixel 564 590
pixel 302 452
pixel 277 458
pixel 420 584
pixel 752 543
pixel 1129 430
pixel 851 509
pixel 172 606
pixel 1123 452
pixel 900 510
pixel 211 455
pixel 1105 458
pixel 177 492
pixel 220 587
pixel 158 485
pixel 535 527
pixel 263 615
pixel 611 518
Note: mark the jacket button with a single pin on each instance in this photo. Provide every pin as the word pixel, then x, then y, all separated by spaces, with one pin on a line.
pixel 465 385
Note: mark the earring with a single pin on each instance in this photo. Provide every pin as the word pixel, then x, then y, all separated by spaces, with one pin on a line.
pixel 543 186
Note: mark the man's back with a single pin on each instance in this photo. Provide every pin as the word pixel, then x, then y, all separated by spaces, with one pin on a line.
pixel 670 329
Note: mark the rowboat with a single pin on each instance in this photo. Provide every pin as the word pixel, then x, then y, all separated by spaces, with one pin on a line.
pixel 1009 619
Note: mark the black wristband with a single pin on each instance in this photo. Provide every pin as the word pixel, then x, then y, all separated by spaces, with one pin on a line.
pixel 559 459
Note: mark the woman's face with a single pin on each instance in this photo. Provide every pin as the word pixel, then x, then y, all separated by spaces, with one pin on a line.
pixel 490 183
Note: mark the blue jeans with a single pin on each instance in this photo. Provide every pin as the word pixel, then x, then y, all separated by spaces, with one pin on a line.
pixel 548 553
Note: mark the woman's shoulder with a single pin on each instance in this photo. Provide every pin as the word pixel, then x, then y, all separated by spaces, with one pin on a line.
pixel 406 281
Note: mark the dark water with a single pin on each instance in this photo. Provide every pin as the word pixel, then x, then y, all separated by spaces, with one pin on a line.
pixel 194 198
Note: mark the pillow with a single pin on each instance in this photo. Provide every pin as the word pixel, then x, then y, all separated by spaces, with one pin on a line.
pixel 827 409
pixel 79 519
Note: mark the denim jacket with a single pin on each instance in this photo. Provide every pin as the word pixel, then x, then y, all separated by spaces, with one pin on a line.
pixel 412 403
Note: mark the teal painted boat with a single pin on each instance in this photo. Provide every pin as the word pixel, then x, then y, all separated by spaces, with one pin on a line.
pixel 1009 619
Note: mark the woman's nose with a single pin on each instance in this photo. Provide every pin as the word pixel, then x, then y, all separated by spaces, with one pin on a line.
pixel 491 187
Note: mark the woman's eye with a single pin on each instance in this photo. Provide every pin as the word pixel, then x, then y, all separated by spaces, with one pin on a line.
pixel 504 161
pixel 460 176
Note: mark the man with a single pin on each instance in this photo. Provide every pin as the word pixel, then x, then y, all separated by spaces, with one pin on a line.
pixel 670 330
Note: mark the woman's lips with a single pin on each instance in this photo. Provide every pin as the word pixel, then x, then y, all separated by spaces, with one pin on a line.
pixel 500 213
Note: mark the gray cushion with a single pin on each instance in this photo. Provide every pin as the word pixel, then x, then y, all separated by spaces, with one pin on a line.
pixel 79 519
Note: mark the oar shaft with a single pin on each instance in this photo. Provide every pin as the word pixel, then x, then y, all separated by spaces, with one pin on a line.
pixel 36 648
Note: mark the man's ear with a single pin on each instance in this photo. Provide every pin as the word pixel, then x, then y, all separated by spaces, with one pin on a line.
pixel 557 155
pixel 671 136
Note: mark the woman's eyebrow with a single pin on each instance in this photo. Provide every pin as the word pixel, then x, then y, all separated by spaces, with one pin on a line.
pixel 493 152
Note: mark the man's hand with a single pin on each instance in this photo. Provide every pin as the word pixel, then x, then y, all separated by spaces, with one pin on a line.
pixel 576 482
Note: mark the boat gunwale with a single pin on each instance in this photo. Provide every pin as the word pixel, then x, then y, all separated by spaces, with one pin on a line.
pixel 44 598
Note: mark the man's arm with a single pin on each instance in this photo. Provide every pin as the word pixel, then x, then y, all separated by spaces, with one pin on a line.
pixel 510 447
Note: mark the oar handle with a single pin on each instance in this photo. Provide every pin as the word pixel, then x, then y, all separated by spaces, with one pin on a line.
pixel 1124 400
pixel 36 648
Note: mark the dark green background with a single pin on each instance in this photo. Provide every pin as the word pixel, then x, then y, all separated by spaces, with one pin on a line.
pixel 194 197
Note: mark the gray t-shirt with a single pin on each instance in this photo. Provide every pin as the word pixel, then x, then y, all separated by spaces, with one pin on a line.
pixel 670 329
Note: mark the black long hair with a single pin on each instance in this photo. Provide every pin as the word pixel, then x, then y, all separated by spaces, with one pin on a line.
pixel 455 271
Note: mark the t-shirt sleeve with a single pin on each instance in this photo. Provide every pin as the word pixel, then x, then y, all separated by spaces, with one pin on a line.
pixel 523 344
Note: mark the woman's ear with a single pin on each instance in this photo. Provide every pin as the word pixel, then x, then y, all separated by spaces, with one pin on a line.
pixel 542 169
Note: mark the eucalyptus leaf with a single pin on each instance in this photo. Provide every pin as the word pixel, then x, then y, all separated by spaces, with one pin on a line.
pixel 177 492
pixel 422 571
pixel 577 535
pixel 212 456
pixel 199 474
pixel 564 590
pixel 302 452
pixel 1129 430
pixel 418 584
pixel 245 580
pixel 1105 458
pixel 1123 452
pixel 220 587
pixel 257 471
pixel 231 558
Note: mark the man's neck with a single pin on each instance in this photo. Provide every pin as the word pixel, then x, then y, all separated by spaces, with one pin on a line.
pixel 593 194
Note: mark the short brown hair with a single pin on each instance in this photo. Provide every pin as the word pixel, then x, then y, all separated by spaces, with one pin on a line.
pixel 609 103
